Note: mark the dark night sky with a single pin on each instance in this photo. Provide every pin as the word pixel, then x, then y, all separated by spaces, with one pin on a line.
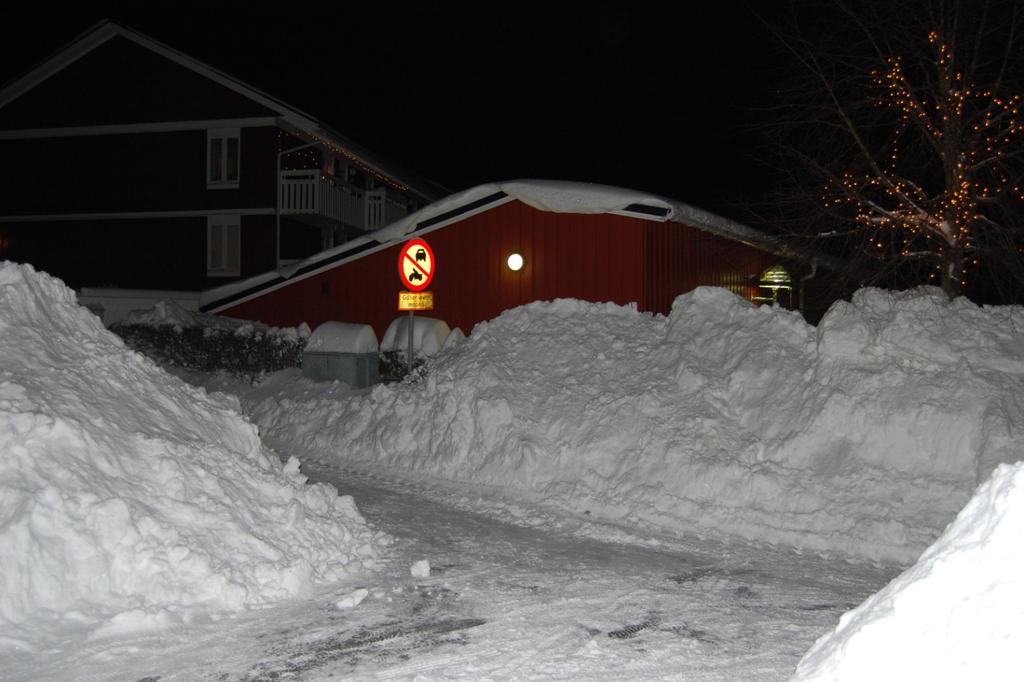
pixel 650 96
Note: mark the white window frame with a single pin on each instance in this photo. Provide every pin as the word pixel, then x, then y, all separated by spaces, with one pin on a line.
pixel 223 245
pixel 219 168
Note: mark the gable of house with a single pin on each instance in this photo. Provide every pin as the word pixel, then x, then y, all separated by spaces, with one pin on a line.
pixel 118 82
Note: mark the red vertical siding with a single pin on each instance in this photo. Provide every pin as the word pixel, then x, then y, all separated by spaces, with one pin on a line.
pixel 592 257
pixel 165 253
pixel 138 172
pixel 680 258
pixel 121 81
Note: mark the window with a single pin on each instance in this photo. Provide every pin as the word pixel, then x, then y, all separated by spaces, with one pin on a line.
pixel 222 158
pixel 223 245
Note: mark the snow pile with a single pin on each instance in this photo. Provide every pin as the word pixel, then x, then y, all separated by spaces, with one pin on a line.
pixel 864 436
pixel 958 614
pixel 429 335
pixel 131 499
pixel 171 314
pixel 342 337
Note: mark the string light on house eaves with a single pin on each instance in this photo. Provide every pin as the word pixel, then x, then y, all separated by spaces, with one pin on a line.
pixel 341 151
pixel 331 146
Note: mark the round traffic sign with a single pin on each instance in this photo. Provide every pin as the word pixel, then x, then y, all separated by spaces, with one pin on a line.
pixel 416 265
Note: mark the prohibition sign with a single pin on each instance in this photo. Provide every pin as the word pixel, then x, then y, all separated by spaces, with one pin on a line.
pixel 416 265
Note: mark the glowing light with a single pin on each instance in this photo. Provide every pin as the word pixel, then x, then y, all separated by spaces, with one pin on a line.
pixel 515 262
pixel 978 135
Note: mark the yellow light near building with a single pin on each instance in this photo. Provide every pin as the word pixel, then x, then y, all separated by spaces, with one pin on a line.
pixel 515 262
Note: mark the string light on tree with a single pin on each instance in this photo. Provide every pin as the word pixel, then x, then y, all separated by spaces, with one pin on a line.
pixel 971 134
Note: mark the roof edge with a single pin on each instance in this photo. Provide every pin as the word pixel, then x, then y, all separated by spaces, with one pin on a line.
pixel 84 43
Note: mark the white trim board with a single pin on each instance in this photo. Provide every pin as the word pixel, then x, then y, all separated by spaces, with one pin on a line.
pixel 78 48
pixel 133 215
pixel 106 30
pixel 136 128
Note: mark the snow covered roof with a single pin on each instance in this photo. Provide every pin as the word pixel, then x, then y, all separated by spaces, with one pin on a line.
pixel 342 337
pixel 544 195
pixel 289 117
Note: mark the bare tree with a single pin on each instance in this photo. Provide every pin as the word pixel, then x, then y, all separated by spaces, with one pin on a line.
pixel 903 140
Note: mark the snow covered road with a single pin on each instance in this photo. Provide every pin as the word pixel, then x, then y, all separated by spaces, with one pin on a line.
pixel 566 599
pixel 530 596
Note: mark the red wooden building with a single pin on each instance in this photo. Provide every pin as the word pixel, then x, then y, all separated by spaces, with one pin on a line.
pixel 577 240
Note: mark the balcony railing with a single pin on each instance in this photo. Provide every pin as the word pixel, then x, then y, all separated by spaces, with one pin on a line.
pixel 311 193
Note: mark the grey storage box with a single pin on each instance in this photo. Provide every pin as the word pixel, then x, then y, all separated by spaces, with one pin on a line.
pixel 339 351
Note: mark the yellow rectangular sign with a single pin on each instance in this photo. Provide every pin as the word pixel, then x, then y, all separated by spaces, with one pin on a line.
pixel 415 300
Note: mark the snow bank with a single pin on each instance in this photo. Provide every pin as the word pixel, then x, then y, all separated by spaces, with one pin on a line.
pixel 864 436
pixel 958 614
pixel 170 314
pixel 428 335
pixel 342 337
pixel 128 497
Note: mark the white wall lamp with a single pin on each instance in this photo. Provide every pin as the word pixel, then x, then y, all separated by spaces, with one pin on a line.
pixel 515 262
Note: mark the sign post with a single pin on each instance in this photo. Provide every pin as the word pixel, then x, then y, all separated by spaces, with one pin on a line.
pixel 416 267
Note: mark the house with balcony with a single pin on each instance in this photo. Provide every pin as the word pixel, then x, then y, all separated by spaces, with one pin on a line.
pixel 136 172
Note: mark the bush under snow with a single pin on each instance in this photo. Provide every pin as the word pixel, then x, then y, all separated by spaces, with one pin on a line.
pixel 862 436
pixel 131 498
pixel 177 337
